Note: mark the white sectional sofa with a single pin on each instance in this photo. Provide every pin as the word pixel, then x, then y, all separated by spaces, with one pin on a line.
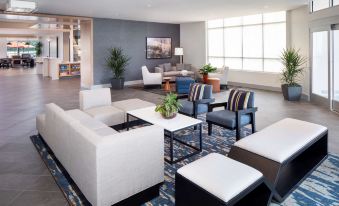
pixel 107 166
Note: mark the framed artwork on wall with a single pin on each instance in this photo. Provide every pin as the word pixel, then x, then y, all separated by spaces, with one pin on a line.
pixel 158 47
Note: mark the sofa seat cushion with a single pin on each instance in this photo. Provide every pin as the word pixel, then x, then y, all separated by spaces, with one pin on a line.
pixel 172 73
pixel 108 115
pixel 220 176
pixel 187 107
pixel 105 131
pixel 85 119
pixel 227 118
pixel 281 140
pixel 132 104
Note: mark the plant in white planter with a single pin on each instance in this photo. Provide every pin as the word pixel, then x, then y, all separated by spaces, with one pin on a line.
pixel 117 62
pixel 292 61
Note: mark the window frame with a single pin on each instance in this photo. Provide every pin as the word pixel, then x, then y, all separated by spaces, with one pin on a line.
pixel 330 5
pixel 241 26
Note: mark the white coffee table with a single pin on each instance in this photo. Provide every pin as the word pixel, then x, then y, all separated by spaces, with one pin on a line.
pixel 170 126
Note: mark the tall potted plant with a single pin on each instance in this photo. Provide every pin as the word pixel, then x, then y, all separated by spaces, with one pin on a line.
pixel 292 61
pixel 117 61
pixel 38 48
pixel 208 68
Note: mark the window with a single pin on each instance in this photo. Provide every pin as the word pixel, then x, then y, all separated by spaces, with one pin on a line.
pixel 316 5
pixel 252 43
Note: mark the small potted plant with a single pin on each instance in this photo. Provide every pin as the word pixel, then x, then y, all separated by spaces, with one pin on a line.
pixel 205 70
pixel 117 62
pixel 292 61
pixel 169 106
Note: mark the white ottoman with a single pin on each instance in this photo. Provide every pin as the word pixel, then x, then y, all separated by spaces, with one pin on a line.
pixel 131 104
pixel 218 180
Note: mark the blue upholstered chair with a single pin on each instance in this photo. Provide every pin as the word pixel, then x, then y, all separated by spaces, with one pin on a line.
pixel 183 84
pixel 231 117
pixel 194 108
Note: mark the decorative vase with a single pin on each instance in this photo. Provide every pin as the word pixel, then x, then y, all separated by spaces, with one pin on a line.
pixel 205 78
pixel 291 93
pixel 169 117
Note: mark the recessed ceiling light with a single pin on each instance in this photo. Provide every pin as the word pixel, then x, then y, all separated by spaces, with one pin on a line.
pixel 20 6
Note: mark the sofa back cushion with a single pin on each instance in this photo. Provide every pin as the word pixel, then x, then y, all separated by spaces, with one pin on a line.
pixel 168 67
pixel 95 98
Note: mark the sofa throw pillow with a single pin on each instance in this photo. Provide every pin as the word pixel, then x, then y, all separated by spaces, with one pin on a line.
pixel 188 67
pixel 238 100
pixel 161 66
pixel 180 67
pixel 168 67
pixel 196 92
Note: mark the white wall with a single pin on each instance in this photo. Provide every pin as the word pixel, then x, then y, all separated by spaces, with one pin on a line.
pixel 3 47
pixel 193 40
pixel 298 31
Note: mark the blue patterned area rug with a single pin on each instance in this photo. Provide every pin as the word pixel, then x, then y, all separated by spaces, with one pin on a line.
pixel 321 188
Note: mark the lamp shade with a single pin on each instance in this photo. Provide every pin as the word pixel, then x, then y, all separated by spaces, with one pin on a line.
pixel 179 51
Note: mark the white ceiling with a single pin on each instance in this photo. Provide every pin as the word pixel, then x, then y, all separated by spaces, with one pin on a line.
pixel 170 11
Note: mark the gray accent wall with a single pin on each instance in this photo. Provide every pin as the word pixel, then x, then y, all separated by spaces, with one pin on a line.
pixel 131 37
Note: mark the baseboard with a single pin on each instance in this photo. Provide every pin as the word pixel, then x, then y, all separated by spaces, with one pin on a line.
pixel 263 87
pixel 127 83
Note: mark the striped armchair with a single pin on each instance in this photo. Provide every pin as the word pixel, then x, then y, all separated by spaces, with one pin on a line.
pixel 238 112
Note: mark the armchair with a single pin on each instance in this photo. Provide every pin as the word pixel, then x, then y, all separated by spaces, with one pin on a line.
pixel 222 74
pixel 198 106
pixel 235 114
pixel 151 79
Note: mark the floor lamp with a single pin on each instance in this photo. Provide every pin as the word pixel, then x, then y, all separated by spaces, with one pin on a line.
pixel 179 52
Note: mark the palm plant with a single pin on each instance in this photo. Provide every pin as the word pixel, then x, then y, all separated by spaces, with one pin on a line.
pixel 117 62
pixel 169 106
pixel 292 62
pixel 38 48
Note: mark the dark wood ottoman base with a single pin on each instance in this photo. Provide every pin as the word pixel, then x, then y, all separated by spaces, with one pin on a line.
pixel 285 177
pixel 188 193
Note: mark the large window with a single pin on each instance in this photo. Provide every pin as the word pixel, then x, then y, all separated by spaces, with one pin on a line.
pixel 252 43
pixel 316 5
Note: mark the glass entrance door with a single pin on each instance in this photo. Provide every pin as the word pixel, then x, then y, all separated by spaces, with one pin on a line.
pixel 335 54
pixel 320 67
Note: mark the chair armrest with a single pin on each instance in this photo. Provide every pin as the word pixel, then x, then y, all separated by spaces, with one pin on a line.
pixel 216 105
pixel 204 101
pixel 247 111
pixel 184 96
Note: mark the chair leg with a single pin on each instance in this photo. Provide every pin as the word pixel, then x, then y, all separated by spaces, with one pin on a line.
pixel 209 129
pixel 238 133
pixel 253 123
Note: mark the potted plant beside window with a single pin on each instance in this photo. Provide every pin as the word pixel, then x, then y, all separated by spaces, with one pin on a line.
pixel 117 62
pixel 38 48
pixel 205 70
pixel 169 106
pixel 292 61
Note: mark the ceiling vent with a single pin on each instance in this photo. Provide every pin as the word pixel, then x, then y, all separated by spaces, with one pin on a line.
pixel 19 6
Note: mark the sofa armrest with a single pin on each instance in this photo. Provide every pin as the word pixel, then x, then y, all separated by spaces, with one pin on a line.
pixel 130 162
